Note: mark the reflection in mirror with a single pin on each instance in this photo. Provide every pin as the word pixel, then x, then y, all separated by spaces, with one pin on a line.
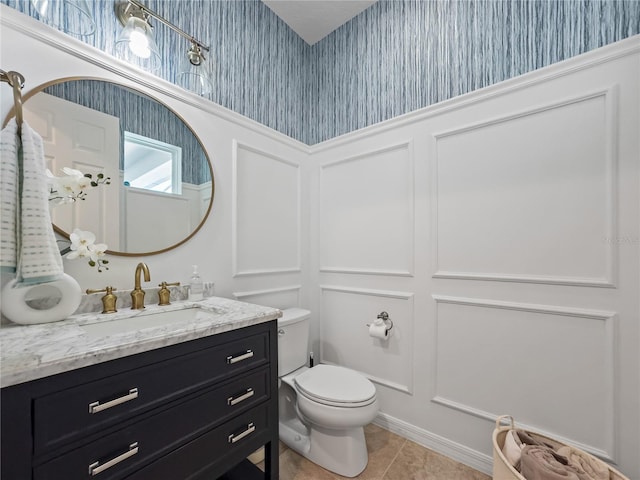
pixel 152 164
pixel 161 178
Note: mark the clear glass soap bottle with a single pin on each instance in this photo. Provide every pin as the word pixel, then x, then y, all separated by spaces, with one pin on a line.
pixel 196 287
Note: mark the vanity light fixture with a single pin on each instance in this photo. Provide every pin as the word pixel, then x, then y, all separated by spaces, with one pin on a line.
pixel 70 16
pixel 192 74
pixel 136 45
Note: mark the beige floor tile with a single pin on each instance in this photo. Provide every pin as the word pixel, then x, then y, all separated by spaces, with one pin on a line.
pixel 382 447
pixel 418 463
pixel 296 467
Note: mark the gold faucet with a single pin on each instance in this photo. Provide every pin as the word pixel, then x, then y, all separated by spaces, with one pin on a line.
pixel 108 301
pixel 164 294
pixel 137 295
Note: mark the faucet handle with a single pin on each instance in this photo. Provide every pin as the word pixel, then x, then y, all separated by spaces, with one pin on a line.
pixel 105 289
pixel 108 301
pixel 164 294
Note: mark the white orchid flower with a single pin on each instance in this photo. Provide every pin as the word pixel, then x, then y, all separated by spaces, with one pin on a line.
pixel 97 251
pixel 81 242
pixel 72 172
pixel 68 188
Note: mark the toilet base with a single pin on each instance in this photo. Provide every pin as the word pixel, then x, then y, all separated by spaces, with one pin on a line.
pixel 341 451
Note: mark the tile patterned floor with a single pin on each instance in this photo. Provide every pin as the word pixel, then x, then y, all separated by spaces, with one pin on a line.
pixel 391 457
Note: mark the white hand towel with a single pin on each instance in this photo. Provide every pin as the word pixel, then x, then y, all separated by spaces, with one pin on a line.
pixel 9 144
pixel 37 255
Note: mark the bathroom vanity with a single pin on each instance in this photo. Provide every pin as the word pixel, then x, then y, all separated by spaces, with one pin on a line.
pixel 142 397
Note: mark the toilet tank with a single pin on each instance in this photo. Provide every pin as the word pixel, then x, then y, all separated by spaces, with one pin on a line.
pixel 293 340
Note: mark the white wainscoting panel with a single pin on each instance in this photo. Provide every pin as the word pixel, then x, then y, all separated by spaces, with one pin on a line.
pixel 367 213
pixel 496 357
pixel 266 212
pixel 345 340
pixel 530 196
pixel 281 297
pixel 170 216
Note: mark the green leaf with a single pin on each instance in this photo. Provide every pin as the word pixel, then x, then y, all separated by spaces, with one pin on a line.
pixel 88 175
pixel 105 261
pixel 92 263
pixel 100 175
pixel 94 184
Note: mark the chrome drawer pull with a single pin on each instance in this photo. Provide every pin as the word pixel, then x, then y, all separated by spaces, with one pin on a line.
pixel 234 400
pixel 231 359
pixel 233 438
pixel 95 468
pixel 95 407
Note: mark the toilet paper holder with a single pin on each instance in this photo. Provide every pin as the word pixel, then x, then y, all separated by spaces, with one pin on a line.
pixel 384 316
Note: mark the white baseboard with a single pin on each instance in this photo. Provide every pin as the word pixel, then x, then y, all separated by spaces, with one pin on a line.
pixel 448 448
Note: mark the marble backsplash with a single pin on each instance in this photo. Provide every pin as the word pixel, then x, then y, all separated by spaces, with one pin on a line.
pixel 92 303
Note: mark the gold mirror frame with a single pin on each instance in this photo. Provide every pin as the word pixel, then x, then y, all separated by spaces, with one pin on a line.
pixel 60 231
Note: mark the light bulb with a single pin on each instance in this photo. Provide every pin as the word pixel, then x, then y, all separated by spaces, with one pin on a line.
pixel 139 43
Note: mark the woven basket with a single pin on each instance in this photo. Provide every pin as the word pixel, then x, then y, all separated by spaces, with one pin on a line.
pixel 502 468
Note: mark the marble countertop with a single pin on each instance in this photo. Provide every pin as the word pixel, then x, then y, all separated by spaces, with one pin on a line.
pixel 29 352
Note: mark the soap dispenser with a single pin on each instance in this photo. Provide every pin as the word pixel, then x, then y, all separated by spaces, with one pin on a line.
pixel 196 288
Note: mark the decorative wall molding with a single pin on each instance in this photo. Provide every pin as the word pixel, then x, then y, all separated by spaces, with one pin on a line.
pixel 408 145
pixel 368 291
pixel 237 146
pixel 404 388
pixel 267 291
pixel 603 315
pixel 437 443
pixel 363 271
pixel 610 98
pixel 611 381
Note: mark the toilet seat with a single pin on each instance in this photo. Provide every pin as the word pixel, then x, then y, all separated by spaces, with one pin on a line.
pixel 335 386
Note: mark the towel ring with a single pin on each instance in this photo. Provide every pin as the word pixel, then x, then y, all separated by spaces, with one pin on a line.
pixel 16 80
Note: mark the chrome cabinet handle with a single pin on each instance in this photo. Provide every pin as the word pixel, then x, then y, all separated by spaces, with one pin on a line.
pixel 95 468
pixel 234 400
pixel 233 438
pixel 95 407
pixel 231 359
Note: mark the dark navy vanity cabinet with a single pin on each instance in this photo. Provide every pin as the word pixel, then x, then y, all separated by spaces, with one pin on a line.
pixel 193 411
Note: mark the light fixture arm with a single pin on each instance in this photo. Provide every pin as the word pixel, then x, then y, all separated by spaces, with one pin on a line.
pixel 153 14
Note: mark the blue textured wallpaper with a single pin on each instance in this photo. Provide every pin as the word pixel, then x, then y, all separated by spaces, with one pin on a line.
pixel 255 59
pixel 399 56
pixel 395 57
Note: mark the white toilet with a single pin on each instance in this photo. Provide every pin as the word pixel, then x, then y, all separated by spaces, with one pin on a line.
pixel 322 409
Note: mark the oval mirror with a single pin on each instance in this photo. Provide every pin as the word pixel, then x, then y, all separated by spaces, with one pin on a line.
pixel 160 188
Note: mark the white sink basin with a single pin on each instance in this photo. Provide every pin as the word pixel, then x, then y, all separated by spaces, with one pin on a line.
pixel 142 321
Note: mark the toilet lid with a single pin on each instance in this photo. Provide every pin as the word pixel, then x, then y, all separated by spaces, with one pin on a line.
pixel 333 385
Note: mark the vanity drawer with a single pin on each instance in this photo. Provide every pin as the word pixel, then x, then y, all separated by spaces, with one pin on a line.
pixel 69 414
pixel 120 453
pixel 206 456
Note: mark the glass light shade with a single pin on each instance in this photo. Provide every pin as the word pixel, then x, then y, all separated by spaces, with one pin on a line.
pixel 136 45
pixel 70 16
pixel 195 78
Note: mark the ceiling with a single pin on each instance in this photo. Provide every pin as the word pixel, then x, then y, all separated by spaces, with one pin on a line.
pixel 313 20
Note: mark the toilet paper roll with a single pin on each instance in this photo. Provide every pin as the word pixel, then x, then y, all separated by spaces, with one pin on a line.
pixel 379 331
pixel 17 300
